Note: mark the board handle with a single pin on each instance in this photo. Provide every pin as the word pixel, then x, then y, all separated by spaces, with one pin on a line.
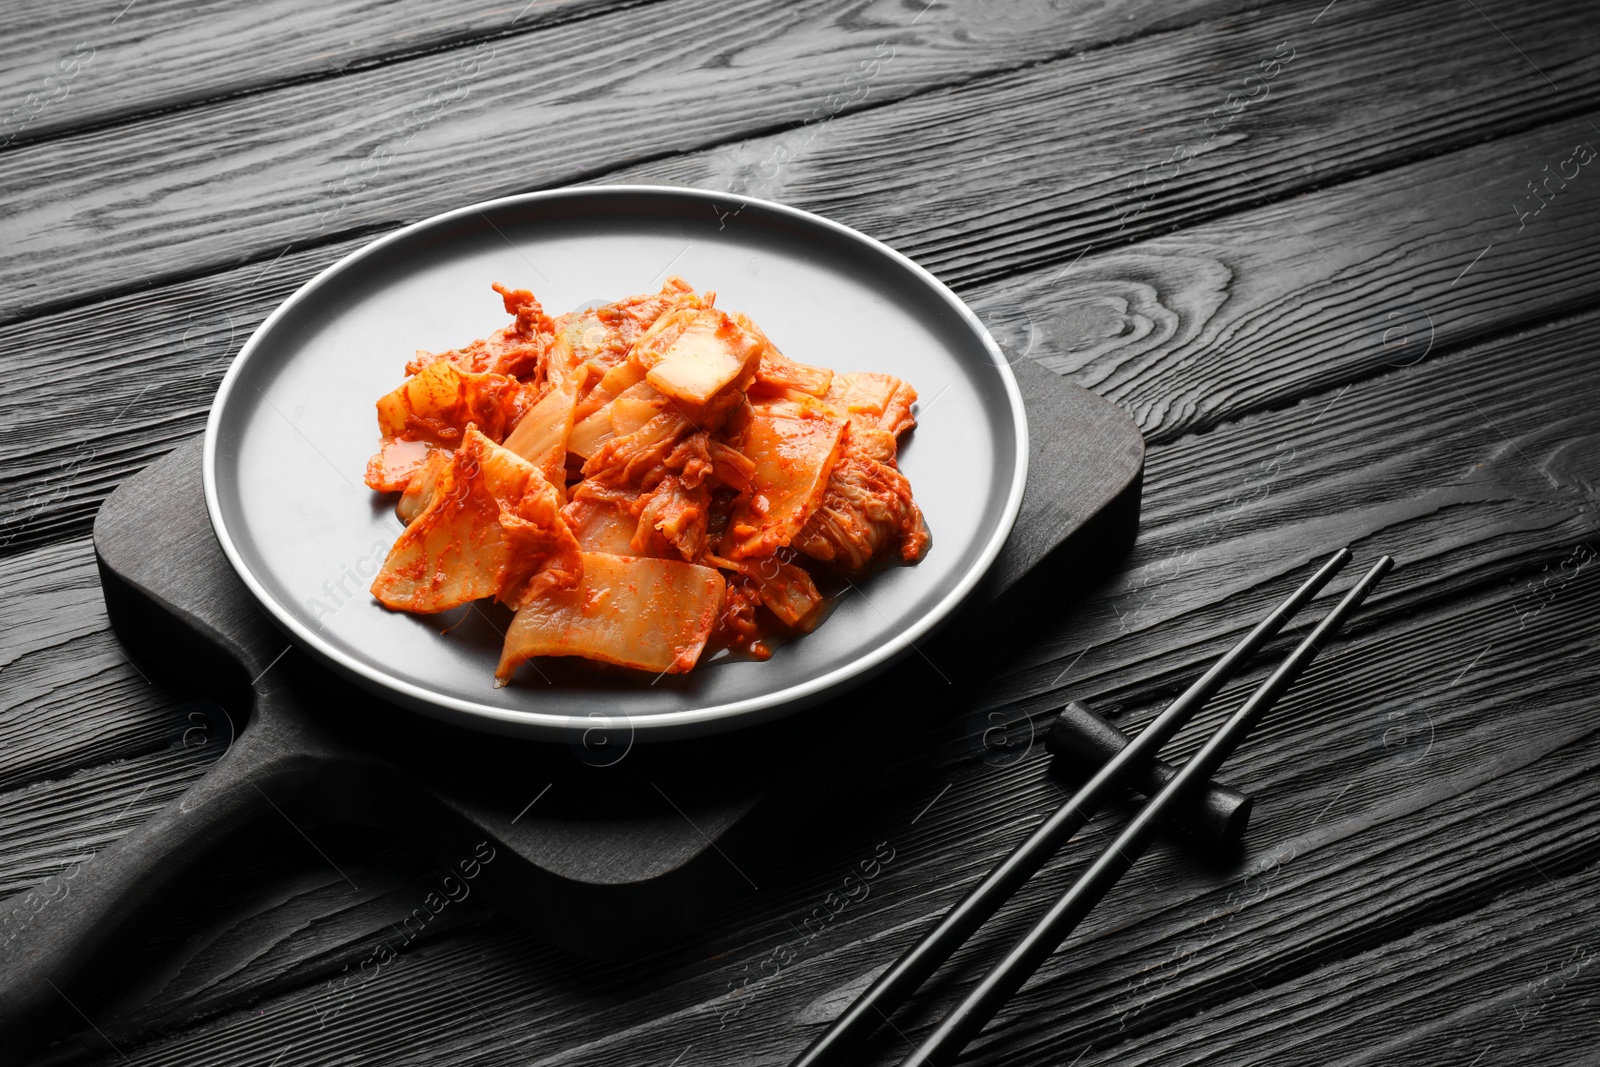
pixel 52 935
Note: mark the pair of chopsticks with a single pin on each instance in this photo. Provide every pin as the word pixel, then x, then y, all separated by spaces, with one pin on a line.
pixel 963 1023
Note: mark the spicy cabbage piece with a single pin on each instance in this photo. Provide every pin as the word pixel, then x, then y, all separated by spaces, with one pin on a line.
pixel 649 614
pixel 635 407
pixel 881 401
pixel 540 437
pixel 729 466
pixel 439 402
pixel 588 435
pixel 778 370
pixel 628 458
pixel 520 350
pixel 786 588
pixel 622 414
pixel 792 449
pixel 737 625
pixel 397 462
pixel 602 519
pixel 692 460
pixel 424 482
pixel 492 528
pixel 607 387
pixel 672 520
pixel 790 594
pixel 692 355
pixel 867 508
pixel 603 336
pixel 777 373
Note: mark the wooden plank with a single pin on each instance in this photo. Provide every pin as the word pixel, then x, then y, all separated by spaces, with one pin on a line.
pixel 52 825
pixel 1184 316
pixel 1475 592
pixel 1114 145
pixel 1053 151
pixel 72 698
pixel 230 181
pixel 1510 982
pixel 275 911
pixel 68 65
pixel 1261 308
pixel 1504 470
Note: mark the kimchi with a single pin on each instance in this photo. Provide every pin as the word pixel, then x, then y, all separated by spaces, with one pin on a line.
pixel 640 482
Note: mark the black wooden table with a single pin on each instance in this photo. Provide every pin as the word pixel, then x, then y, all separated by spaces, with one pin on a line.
pixel 1339 260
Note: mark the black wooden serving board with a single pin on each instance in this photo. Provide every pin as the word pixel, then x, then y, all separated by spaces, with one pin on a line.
pixel 604 849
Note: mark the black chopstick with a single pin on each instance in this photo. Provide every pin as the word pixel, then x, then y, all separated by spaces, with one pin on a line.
pixel 922 959
pixel 1007 976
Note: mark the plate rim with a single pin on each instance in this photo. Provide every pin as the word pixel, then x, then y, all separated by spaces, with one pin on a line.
pixel 657 725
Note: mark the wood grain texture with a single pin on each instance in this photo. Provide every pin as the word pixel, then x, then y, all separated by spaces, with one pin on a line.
pixel 1260 308
pixel 1510 472
pixel 232 181
pixel 51 825
pixel 64 66
pixel 1120 175
pixel 1037 166
pixel 296 922
pixel 72 697
pixel 1508 983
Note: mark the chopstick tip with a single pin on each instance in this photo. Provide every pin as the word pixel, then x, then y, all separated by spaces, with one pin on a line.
pixel 1334 565
pixel 1369 581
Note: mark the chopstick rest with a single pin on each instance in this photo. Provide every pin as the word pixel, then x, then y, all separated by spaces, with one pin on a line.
pixel 1079 737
